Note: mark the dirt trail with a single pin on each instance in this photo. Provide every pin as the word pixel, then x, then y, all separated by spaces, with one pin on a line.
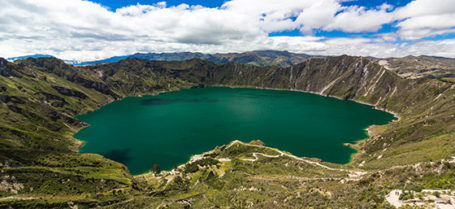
pixel 352 174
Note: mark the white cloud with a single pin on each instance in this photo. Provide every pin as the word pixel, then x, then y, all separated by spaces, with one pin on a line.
pixel 359 19
pixel 319 14
pixel 426 18
pixel 427 7
pixel 83 30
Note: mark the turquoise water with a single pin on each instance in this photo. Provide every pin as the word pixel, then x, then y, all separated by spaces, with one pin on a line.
pixel 168 128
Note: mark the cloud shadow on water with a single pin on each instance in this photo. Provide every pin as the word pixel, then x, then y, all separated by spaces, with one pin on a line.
pixel 159 101
pixel 119 155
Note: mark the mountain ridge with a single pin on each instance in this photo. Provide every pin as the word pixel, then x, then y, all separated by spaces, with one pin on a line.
pixel 220 58
pixel 442 68
pixel 40 97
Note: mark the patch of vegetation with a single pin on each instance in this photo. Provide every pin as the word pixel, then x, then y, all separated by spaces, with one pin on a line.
pixel 194 166
pixel 39 166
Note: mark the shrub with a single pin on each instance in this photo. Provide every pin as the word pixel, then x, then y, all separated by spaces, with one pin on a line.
pixel 156 168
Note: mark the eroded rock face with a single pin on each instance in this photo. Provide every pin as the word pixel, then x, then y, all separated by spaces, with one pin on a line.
pixel 2 63
pixel 98 86
pixel 9 184
pixel 13 99
pixel 4 98
pixel 4 69
pixel 69 92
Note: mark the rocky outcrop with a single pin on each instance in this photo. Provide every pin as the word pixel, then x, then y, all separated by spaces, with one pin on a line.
pixel 13 99
pixel 69 92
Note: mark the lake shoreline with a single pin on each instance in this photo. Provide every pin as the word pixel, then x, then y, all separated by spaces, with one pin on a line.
pixel 357 143
pixel 313 92
pixel 352 145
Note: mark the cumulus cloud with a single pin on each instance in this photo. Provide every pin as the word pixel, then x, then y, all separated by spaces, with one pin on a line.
pixel 425 18
pixel 83 30
pixel 359 19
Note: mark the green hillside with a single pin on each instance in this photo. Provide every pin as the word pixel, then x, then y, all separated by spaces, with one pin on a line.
pixel 40 166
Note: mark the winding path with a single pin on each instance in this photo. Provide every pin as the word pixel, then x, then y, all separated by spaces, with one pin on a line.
pixel 352 174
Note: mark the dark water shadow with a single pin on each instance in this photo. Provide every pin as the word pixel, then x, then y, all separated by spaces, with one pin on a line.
pixel 119 155
pixel 212 100
pixel 160 101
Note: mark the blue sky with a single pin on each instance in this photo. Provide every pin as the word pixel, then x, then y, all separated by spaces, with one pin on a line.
pixel 114 4
pixel 369 4
pixel 97 29
pixel 375 3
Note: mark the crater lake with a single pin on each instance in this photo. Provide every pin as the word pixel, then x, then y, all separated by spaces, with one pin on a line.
pixel 167 129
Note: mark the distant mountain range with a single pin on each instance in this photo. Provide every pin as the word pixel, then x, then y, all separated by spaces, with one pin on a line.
pixel 27 56
pixel 259 58
pixel 407 67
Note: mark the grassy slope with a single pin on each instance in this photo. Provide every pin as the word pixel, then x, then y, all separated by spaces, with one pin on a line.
pixel 423 66
pixel 38 150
